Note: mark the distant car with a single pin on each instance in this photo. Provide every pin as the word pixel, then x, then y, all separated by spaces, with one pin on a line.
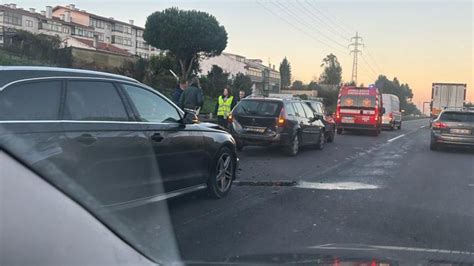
pixel 452 128
pixel 328 119
pixel 122 141
pixel 392 118
pixel 289 123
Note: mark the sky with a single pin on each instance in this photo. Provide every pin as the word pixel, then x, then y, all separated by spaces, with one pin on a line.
pixel 419 42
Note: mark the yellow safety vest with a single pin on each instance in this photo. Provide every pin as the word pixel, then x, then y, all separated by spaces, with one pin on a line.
pixel 224 106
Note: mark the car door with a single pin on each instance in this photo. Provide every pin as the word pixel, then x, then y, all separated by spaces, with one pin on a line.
pixel 104 147
pixel 29 120
pixel 315 126
pixel 303 123
pixel 178 149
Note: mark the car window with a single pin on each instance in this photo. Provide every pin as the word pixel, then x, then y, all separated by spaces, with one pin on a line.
pixel 93 100
pixel 289 109
pixel 457 117
pixel 299 110
pixel 150 106
pixel 309 112
pixel 31 101
pixel 260 108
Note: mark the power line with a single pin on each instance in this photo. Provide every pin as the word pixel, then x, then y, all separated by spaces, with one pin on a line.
pixel 307 25
pixel 293 26
pixel 331 18
pixel 367 51
pixel 356 52
pixel 370 67
pixel 315 18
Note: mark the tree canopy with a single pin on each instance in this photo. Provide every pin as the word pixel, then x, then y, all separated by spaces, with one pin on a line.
pixel 332 73
pixel 242 82
pixel 285 73
pixel 297 85
pixel 403 91
pixel 215 81
pixel 187 35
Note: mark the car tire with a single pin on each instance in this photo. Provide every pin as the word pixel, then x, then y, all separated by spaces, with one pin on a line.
pixel 294 147
pixel 321 140
pixel 339 131
pixel 331 136
pixel 400 126
pixel 222 174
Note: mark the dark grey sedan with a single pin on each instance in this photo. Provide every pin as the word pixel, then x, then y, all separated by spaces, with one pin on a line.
pixel 453 128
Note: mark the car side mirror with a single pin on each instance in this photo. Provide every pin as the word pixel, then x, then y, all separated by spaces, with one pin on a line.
pixel 383 110
pixel 190 117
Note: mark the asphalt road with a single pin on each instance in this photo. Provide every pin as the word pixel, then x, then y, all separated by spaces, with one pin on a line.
pixel 361 190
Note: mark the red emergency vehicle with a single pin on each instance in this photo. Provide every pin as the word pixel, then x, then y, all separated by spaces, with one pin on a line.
pixel 359 108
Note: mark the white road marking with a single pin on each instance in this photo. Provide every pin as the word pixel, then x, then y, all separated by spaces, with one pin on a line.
pixel 336 186
pixel 423 126
pixel 372 247
pixel 401 136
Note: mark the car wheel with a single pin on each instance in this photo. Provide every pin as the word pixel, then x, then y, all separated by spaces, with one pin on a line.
pixel 321 141
pixel 294 147
pixel 339 131
pixel 400 126
pixel 220 182
pixel 331 136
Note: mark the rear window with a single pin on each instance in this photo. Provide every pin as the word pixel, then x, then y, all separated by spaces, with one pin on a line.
pixel 261 108
pixel 31 101
pixel 457 117
pixel 362 101
pixel 93 100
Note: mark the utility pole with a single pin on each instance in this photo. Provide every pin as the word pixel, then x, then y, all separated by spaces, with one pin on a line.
pixel 355 43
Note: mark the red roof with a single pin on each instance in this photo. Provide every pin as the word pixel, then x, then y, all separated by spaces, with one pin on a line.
pixel 102 46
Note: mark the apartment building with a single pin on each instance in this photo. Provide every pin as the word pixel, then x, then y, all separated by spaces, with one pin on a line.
pixel 265 78
pixel 76 27
pixel 124 35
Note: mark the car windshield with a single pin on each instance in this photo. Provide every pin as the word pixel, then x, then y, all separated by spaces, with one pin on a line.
pixel 457 117
pixel 362 101
pixel 259 108
pixel 255 132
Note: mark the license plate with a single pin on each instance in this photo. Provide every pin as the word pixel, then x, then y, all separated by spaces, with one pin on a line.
pixel 460 131
pixel 255 129
pixel 349 120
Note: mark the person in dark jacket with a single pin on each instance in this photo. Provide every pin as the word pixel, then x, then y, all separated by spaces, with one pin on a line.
pixel 192 98
pixel 178 91
pixel 225 103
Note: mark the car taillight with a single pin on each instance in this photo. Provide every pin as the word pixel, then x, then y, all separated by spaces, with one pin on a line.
pixel 338 112
pixel 230 118
pixel 281 118
pixel 439 125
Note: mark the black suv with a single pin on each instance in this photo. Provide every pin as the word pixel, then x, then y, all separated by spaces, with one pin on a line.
pixel 123 142
pixel 289 123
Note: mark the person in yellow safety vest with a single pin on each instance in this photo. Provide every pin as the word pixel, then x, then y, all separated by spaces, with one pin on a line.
pixel 224 106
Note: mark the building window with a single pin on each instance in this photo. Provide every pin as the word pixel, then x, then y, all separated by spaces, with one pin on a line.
pixel 108 26
pixel 53 26
pixel 101 37
pixel 97 23
pixel 107 39
pixel 65 30
pixel 142 45
pixel 83 32
pixel 139 33
pixel 29 23
pixel 121 40
pixel 12 18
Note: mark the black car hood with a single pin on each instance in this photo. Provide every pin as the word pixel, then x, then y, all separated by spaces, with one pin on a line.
pixel 207 125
